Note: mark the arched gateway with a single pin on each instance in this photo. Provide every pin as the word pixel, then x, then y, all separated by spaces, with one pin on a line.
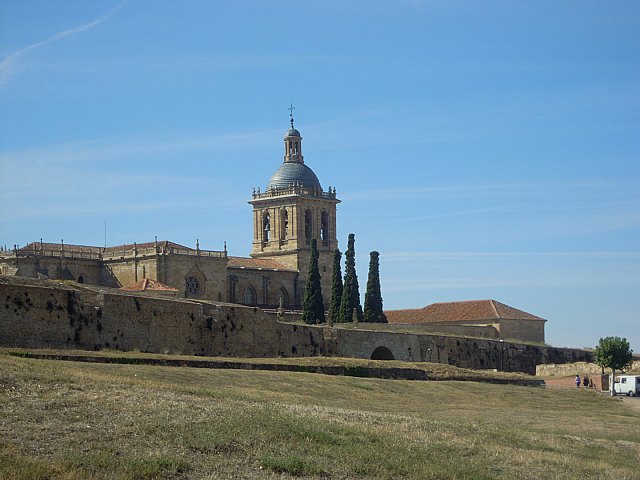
pixel 382 353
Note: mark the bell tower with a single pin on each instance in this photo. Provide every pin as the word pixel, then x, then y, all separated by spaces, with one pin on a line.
pixel 293 210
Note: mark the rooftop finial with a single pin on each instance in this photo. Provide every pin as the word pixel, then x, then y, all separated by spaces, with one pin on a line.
pixel 291 109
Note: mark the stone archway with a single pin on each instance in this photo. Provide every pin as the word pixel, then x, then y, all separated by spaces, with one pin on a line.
pixel 382 353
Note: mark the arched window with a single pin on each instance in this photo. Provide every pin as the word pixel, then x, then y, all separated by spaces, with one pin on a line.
pixel 266 224
pixel 249 296
pixel 284 222
pixel 283 297
pixel 324 227
pixel 308 224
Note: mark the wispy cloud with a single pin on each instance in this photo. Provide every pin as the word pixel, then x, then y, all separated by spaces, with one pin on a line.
pixel 10 63
pixel 133 146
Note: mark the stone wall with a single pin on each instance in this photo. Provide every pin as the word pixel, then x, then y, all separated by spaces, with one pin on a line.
pixel 38 314
pixel 128 270
pixel 212 272
pixel 59 316
pixel 522 330
pixel 266 285
pixel 578 368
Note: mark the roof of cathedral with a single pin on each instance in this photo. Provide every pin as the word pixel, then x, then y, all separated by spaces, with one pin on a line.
pixel 146 284
pixel 69 247
pixel 471 310
pixel 292 173
pixel 163 243
pixel 257 263
pixel 33 246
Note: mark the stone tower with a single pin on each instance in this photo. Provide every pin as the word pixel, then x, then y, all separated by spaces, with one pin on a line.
pixel 291 211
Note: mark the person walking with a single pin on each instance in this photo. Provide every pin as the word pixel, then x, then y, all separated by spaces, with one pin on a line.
pixel 585 382
pixel 577 381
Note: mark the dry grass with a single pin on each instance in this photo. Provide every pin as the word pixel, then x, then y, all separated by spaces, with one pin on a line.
pixel 64 420
pixel 434 371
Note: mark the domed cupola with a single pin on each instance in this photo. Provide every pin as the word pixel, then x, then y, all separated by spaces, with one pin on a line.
pixel 293 172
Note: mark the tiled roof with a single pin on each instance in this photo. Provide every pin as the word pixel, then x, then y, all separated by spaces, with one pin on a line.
pixel 256 263
pixel 163 243
pixel 471 310
pixel 146 284
pixel 68 247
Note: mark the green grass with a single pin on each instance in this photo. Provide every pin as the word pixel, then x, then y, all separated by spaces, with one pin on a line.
pixel 65 420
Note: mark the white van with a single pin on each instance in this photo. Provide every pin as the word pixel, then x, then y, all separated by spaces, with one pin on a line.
pixel 627 385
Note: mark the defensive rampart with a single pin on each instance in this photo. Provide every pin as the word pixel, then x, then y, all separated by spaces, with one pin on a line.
pixel 37 314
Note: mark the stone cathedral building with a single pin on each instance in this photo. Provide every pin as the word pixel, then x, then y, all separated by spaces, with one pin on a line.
pixel 292 210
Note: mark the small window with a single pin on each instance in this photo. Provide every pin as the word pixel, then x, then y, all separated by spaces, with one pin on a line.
pixel 285 224
pixel 324 227
pixel 266 223
pixel 308 224
pixel 193 286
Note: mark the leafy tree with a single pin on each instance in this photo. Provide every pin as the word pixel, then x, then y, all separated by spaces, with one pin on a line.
pixel 373 298
pixel 351 290
pixel 336 287
pixel 614 353
pixel 313 306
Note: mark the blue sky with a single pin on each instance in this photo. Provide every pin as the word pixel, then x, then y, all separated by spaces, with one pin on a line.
pixel 486 149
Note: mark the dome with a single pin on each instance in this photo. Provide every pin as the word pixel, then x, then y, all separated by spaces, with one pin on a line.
pixel 291 173
pixel 292 132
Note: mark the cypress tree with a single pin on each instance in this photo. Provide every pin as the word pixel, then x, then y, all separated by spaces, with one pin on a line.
pixel 350 293
pixel 373 298
pixel 313 306
pixel 336 287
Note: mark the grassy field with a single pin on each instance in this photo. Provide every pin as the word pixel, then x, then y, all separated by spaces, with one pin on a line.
pixel 65 420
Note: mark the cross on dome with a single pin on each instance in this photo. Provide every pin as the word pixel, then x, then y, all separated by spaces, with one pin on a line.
pixel 291 109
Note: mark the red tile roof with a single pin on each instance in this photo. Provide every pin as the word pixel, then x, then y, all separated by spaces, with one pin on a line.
pixel 471 310
pixel 257 263
pixel 146 284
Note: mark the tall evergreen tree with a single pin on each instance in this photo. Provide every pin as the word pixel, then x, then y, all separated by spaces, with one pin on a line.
pixel 313 306
pixel 336 288
pixel 373 298
pixel 350 293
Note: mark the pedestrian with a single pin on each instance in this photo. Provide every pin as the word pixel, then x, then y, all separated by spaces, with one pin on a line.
pixel 585 381
pixel 577 381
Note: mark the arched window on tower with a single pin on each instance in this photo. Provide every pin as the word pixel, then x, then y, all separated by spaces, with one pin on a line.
pixel 308 225
pixel 324 228
pixel 266 225
pixel 284 222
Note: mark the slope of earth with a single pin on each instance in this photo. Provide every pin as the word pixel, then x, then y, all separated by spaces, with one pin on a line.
pixel 66 420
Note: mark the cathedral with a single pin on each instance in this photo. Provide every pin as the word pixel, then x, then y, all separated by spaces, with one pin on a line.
pixel 292 210
pixel 288 214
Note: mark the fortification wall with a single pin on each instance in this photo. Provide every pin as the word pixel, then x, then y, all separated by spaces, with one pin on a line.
pixel 57 315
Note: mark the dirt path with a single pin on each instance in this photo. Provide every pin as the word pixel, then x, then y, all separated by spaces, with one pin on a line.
pixel 633 403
